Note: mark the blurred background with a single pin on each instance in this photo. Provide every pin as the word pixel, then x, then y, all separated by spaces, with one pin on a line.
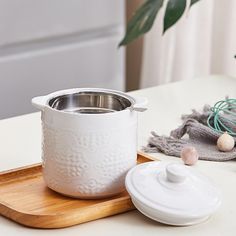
pixel 51 45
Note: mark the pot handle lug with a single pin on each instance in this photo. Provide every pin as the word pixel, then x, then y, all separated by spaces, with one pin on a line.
pixel 39 102
pixel 140 104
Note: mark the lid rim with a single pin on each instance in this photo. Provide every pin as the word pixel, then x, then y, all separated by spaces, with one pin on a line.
pixel 178 213
pixel 180 221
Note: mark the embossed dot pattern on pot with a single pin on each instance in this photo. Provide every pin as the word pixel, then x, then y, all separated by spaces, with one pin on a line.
pixel 116 164
pixel 93 140
pixel 71 165
pixel 69 171
pixel 92 187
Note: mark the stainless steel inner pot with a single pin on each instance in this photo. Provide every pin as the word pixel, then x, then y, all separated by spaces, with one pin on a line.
pixel 90 102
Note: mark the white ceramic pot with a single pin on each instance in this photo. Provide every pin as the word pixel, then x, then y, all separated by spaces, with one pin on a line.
pixel 89 140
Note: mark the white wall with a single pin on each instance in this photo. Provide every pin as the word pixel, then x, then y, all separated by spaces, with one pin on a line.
pixel 57 44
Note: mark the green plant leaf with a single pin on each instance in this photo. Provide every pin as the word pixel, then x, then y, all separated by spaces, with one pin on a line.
pixel 174 11
pixel 142 20
pixel 193 2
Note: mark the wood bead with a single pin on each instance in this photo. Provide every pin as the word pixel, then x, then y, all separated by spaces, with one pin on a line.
pixel 189 155
pixel 225 142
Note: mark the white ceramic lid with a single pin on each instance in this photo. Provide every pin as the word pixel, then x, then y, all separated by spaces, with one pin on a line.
pixel 172 193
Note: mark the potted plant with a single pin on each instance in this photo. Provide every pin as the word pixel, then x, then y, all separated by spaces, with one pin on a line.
pixel 144 17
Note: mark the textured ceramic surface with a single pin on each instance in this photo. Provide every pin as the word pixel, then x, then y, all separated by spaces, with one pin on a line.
pixel 87 155
pixel 172 193
pixel 88 164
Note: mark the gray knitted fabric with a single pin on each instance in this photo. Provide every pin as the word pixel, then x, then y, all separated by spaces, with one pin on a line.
pixel 198 135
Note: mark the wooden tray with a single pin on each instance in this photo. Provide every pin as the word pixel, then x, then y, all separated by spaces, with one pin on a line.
pixel 24 198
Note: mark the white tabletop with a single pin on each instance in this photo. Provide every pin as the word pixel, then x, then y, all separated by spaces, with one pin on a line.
pixel 20 139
